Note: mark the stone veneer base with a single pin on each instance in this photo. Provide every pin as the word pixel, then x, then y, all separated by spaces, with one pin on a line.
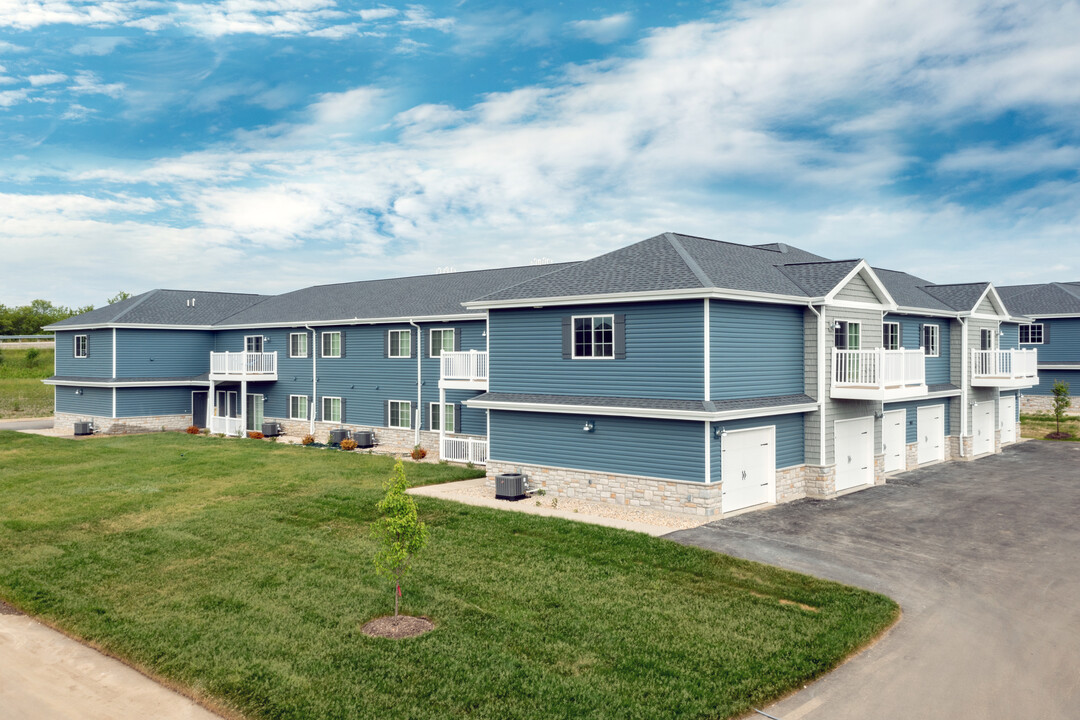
pixel 121 426
pixel 1036 404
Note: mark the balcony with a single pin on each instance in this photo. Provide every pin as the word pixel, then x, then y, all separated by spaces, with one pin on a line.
pixel 466 370
pixel 243 366
pixel 878 374
pixel 464 450
pixel 1004 368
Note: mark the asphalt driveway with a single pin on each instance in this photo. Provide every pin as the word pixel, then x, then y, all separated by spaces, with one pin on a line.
pixel 984 558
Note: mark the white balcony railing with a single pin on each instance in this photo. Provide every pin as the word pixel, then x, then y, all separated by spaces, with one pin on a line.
pixel 243 363
pixel 225 425
pixel 878 373
pixel 1005 367
pixel 469 365
pixel 460 449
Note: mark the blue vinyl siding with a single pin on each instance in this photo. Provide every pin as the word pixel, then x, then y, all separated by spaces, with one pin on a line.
pixel 756 350
pixel 97 364
pixel 162 353
pixel 142 401
pixel 473 420
pixel 96 401
pixel 1064 340
pixel 790 438
pixel 672 449
pixel 911 434
pixel 937 369
pixel 665 352
pixel 1010 337
pixel 1048 377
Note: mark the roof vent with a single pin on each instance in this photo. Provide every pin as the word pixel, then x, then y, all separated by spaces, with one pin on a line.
pixel 191 303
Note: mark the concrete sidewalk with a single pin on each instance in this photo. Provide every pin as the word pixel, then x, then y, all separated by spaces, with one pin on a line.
pixel 45 675
pixel 26 424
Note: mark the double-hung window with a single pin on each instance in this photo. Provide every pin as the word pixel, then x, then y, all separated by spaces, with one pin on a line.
pixel 298 345
pixel 594 336
pixel 253 343
pixel 81 346
pixel 400 414
pixel 986 339
pixel 847 335
pixel 298 407
pixel 399 344
pixel 331 409
pixel 331 344
pixel 890 336
pixel 931 340
pixel 442 340
pixel 444 414
pixel 1031 334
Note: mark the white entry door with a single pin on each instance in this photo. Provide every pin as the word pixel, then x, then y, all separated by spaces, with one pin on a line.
pixel 1007 411
pixel 982 428
pixel 853 445
pixel 748 468
pixel 894 440
pixel 930 427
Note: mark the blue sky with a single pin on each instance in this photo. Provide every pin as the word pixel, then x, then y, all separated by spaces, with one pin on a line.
pixel 265 146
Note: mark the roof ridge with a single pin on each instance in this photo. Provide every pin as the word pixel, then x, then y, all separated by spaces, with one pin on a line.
pixel 1074 293
pixel 821 262
pixel 145 296
pixel 555 266
pixel 702 278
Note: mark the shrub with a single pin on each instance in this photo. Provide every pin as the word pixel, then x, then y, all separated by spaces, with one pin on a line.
pixel 193 430
pixel 32 357
pixel 348 444
pixel 308 440
pixel 256 435
pixel 418 453
pixel 398 531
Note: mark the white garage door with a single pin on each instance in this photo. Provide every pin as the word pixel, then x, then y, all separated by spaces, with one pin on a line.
pixel 982 427
pixel 748 468
pixel 853 446
pixel 894 440
pixel 930 427
pixel 1007 410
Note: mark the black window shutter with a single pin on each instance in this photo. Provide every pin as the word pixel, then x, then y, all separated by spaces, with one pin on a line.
pixel 87 353
pixel 342 343
pixel 342 410
pixel 386 345
pixel 457 339
pixel 922 337
pixel 567 339
pixel 75 346
pixel 1045 335
pixel 840 336
pixel 415 346
pixel 620 337
pixel 386 413
pixel 412 417
pixel 457 417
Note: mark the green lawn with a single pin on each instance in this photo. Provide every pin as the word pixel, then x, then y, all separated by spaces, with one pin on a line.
pixel 1041 425
pixel 241 571
pixel 21 392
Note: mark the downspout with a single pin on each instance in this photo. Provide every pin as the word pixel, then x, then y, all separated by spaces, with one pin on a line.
pixel 314 377
pixel 963 382
pixel 820 381
pixel 418 415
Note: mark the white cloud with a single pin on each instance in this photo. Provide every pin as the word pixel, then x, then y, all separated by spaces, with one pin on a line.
pixel 420 18
pixel 12 97
pixel 29 14
pixel 98 45
pixel 46 79
pixel 605 30
pixel 88 83
pixel 1028 158
pixel 379 13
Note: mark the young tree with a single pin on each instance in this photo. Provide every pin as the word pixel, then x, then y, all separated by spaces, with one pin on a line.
pixel 399 532
pixel 122 295
pixel 1061 403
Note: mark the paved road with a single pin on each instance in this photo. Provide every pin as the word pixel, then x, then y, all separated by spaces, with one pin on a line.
pixel 27 424
pixel 984 558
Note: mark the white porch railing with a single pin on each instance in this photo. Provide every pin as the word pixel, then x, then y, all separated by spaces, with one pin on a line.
pixel 1005 364
pixel 879 368
pixel 465 365
pixel 243 363
pixel 461 449
pixel 225 425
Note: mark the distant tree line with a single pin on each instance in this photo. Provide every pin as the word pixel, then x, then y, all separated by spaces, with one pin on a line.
pixel 29 319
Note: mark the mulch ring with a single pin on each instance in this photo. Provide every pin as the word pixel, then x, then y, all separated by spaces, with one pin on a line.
pixel 6 609
pixel 402 626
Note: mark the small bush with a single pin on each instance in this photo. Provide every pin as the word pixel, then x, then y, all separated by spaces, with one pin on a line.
pixel 193 430
pixel 255 435
pixel 32 357
pixel 348 444
pixel 308 440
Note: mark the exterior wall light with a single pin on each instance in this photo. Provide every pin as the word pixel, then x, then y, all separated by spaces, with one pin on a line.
pixel 78 391
pixel 589 426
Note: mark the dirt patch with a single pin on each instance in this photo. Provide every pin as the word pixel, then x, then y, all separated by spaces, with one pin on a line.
pixel 1059 436
pixel 6 609
pixel 402 626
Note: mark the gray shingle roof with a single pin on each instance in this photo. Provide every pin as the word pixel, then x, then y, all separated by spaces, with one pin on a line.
pixel 166 307
pixel 817 279
pixel 961 297
pixel 625 403
pixel 910 291
pixel 1043 299
pixel 417 296
pixel 941 387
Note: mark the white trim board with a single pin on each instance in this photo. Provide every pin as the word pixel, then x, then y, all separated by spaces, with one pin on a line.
pixel 106 382
pixel 643 412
